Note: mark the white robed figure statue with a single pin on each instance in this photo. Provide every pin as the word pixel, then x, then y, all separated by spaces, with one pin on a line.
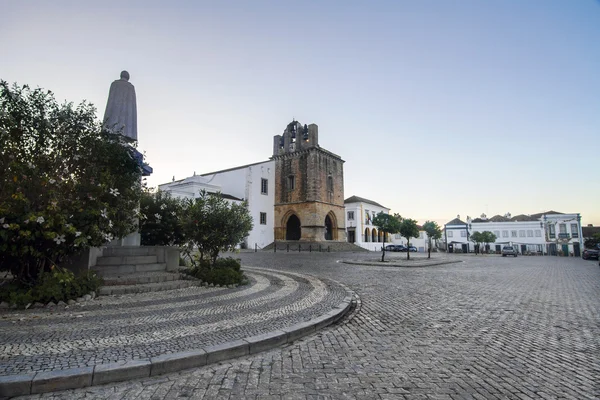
pixel 121 109
pixel 120 117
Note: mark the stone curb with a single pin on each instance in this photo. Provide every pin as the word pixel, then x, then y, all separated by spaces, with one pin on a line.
pixel 42 382
pixel 400 264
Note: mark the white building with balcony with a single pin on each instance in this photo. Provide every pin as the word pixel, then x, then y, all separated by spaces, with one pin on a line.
pixel 551 232
pixel 360 230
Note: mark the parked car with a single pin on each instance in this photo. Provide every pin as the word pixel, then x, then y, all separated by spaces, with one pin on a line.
pixel 589 254
pixel 509 251
pixel 401 247
pixel 390 247
pixel 412 248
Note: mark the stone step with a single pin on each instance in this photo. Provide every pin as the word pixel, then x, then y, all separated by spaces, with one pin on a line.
pixel 126 260
pixel 147 287
pixel 128 268
pixel 141 278
pixel 325 246
pixel 129 251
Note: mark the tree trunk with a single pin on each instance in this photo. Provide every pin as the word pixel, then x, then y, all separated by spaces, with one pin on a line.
pixel 383 253
pixel 408 248
pixel 429 250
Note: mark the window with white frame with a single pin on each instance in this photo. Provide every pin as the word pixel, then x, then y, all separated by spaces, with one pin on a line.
pixel 505 234
pixel 397 236
pixel 538 233
pixel 513 233
pixel 350 215
pixel 562 228
pixel 497 233
pixel 420 234
pixel 522 233
pixel 367 217
pixel 263 218
pixel 574 230
pixel 529 232
pixel 450 233
pixel 264 186
pixel 463 233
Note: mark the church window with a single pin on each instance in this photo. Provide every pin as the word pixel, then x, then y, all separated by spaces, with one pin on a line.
pixel 264 186
pixel 263 218
pixel 329 184
pixel 291 182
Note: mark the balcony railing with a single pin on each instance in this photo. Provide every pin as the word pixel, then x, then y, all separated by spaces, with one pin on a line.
pixel 574 235
pixel 551 235
pixel 563 235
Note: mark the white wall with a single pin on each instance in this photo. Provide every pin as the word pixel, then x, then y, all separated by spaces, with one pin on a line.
pixel 360 210
pixel 245 183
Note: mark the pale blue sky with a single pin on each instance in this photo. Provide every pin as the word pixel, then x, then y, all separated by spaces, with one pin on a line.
pixel 488 106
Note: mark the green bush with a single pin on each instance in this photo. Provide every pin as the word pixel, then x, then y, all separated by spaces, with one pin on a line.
pixel 56 285
pixel 226 271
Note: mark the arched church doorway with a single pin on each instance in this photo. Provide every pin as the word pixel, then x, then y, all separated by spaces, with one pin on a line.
pixel 328 228
pixel 292 228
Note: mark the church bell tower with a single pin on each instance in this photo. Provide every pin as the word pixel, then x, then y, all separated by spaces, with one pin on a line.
pixel 309 187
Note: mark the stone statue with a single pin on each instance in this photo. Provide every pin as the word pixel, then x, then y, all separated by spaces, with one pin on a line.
pixel 121 110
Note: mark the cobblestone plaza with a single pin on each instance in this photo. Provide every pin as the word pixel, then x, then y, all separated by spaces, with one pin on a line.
pixel 485 328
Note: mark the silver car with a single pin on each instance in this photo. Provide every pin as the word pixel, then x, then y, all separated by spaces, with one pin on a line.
pixel 509 251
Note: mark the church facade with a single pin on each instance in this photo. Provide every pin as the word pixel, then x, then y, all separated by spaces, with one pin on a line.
pixel 309 187
pixel 296 195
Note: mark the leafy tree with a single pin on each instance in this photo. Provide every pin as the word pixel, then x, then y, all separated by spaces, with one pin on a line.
pixel 488 237
pixel 408 229
pixel 592 242
pixel 211 224
pixel 66 184
pixel 477 237
pixel 160 219
pixel 434 232
pixel 388 224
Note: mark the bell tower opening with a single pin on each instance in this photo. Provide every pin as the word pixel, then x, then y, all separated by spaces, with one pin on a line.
pixel 293 230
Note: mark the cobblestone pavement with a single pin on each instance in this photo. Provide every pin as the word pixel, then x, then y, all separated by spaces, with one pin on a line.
pixel 132 327
pixel 487 328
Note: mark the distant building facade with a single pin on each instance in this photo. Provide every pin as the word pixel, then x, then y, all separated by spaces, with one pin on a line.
pixel 360 230
pixel 551 232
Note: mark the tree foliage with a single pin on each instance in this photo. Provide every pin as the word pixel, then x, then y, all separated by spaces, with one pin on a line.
pixel 211 224
pixel 388 224
pixel 161 219
pixel 484 238
pixel 434 232
pixel 408 229
pixel 66 184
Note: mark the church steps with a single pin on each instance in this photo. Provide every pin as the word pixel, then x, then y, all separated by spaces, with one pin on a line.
pixel 141 278
pixel 324 246
pixel 120 260
pixel 129 268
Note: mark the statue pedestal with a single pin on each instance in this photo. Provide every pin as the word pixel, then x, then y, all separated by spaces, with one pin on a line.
pixel 133 239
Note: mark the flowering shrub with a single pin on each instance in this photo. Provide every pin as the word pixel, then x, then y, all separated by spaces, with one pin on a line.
pixel 212 224
pixel 160 219
pixel 66 183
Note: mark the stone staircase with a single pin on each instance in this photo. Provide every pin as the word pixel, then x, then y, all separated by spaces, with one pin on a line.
pixel 127 270
pixel 325 246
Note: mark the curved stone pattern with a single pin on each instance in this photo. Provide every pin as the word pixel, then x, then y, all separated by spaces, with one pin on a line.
pixel 141 327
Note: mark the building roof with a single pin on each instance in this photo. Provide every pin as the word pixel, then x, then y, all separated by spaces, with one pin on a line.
pixel 539 215
pixel 499 218
pixel 456 221
pixel 523 217
pixel 356 199
pixel 234 168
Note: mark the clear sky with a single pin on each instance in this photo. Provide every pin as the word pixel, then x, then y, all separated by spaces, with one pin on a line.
pixel 438 107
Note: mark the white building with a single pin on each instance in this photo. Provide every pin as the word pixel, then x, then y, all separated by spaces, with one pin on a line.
pixel 360 230
pixel 253 183
pixel 550 232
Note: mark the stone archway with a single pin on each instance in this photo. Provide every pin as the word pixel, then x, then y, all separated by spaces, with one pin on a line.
pixel 374 235
pixel 328 228
pixel 293 230
pixel 367 235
